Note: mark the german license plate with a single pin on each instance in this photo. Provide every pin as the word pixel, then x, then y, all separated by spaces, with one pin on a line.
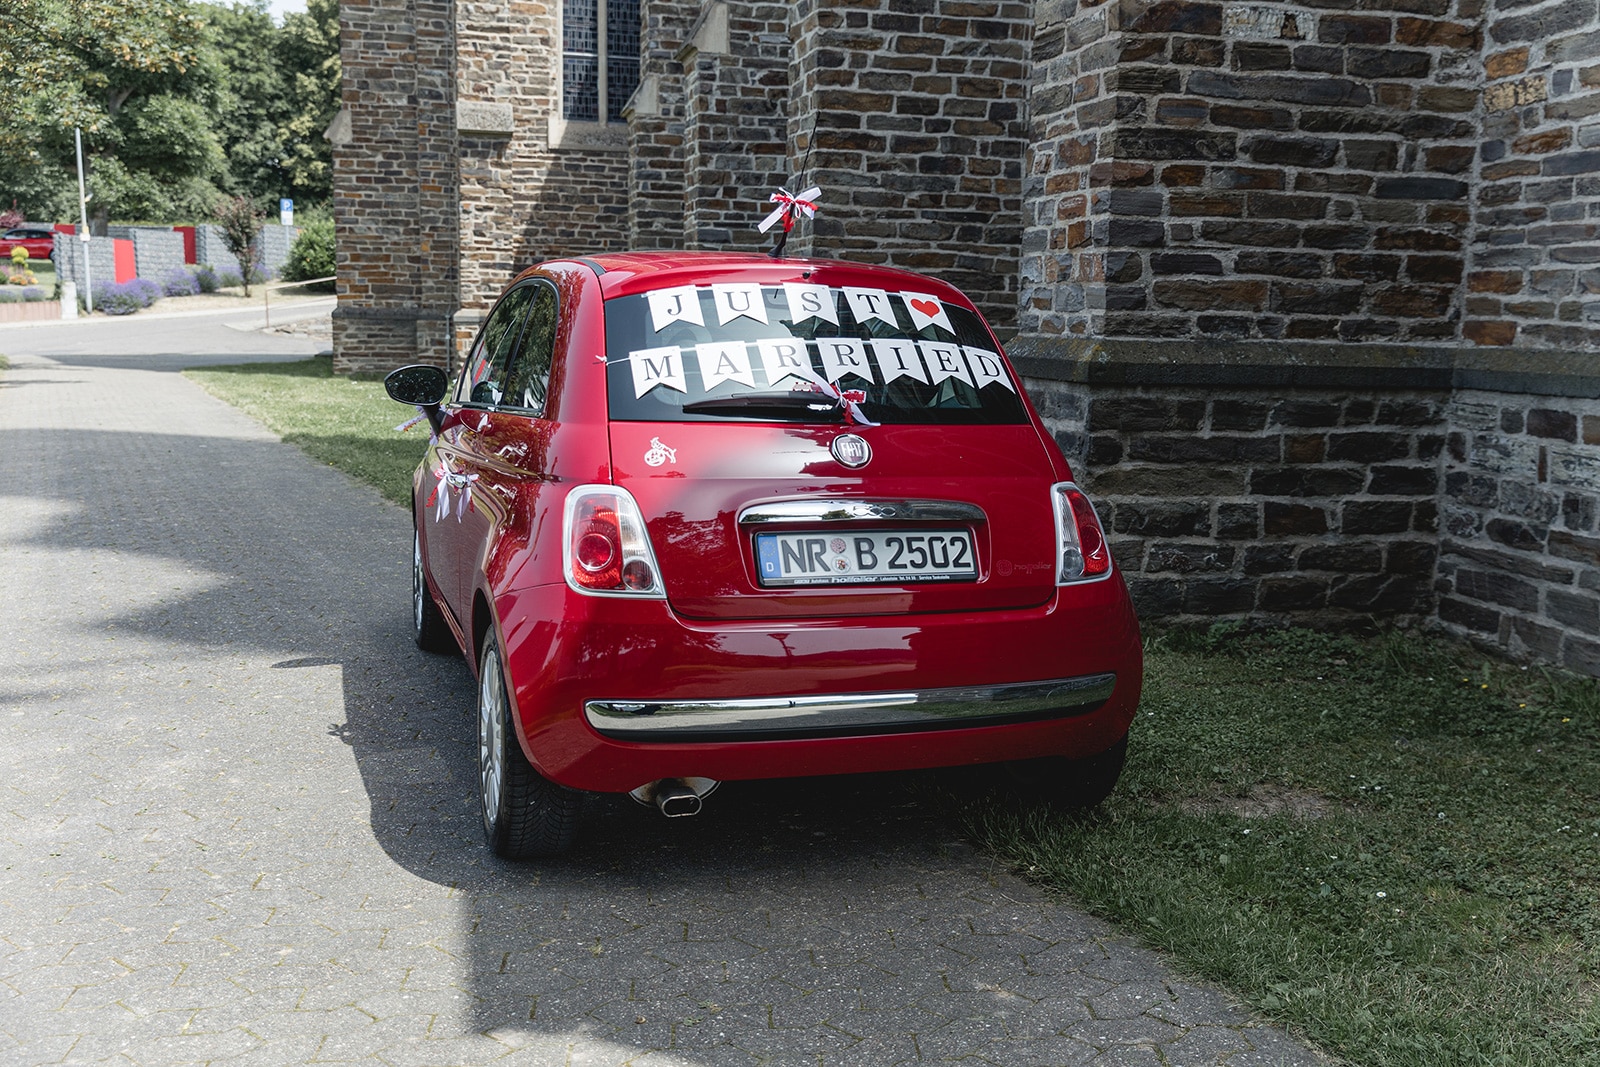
pixel 865 557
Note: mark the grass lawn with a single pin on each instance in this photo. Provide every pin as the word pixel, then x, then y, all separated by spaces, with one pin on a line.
pixel 43 271
pixel 1392 843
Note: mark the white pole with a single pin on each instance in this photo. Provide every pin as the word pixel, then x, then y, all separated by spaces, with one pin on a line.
pixel 83 216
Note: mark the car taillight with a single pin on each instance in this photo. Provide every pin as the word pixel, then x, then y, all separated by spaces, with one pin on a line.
pixel 1081 551
pixel 606 547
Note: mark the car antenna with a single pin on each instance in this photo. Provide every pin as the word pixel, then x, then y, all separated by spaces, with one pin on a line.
pixel 791 204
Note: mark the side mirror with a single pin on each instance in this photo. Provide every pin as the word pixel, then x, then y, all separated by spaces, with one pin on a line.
pixel 418 385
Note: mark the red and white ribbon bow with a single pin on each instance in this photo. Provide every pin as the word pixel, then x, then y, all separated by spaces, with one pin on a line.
pixel 448 480
pixel 848 399
pixel 788 204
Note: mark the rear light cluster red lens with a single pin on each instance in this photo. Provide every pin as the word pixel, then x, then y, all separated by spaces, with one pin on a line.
pixel 607 548
pixel 1081 551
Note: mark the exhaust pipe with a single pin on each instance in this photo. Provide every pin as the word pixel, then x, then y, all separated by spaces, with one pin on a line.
pixel 675 797
pixel 677 801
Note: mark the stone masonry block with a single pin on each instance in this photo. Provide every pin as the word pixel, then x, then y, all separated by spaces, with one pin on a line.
pixel 1468 615
pixel 1293 593
pixel 1578 467
pixel 1358 517
pixel 1403 481
pixel 1288 520
pixel 1368 446
pixel 1133 414
pixel 1559 425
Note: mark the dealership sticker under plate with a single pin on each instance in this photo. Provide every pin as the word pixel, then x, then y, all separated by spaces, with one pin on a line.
pixel 865 556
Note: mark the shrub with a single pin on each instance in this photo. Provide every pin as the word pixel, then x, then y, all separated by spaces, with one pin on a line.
pixel 227 279
pixel 124 298
pixel 11 218
pixel 10 296
pixel 180 282
pixel 206 278
pixel 312 254
pixel 19 258
pixel 34 293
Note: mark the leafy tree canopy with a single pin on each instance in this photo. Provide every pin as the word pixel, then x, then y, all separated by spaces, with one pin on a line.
pixel 179 104
pixel 136 77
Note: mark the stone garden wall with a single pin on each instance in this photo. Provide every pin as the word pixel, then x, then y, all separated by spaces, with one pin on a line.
pixel 71 255
pixel 157 252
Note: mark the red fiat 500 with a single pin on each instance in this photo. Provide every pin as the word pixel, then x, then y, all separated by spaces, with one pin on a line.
pixel 707 517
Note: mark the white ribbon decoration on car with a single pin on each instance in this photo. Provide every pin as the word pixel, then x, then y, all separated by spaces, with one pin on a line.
pixel 789 203
pixel 848 399
pixel 440 496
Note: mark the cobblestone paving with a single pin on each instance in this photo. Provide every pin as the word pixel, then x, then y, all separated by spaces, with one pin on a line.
pixel 238 821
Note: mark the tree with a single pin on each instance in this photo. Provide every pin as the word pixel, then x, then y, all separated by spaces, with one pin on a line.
pixel 240 220
pixel 308 54
pixel 136 78
pixel 252 100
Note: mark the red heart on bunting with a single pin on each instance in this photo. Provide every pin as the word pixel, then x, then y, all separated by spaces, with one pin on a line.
pixel 930 308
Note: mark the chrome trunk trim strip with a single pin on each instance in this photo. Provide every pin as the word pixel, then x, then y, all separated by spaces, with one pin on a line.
pixel 861 510
pixel 814 716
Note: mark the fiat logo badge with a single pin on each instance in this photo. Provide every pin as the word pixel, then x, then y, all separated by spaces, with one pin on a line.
pixel 850 450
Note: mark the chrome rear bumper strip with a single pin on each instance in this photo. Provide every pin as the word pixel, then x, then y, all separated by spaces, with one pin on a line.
pixel 863 713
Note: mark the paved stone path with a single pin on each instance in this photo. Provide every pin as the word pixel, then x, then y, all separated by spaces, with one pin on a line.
pixel 238 822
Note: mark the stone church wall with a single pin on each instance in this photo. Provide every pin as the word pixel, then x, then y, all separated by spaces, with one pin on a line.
pixel 395 199
pixel 1307 292
pixel 918 115
pixel 1534 265
pixel 736 89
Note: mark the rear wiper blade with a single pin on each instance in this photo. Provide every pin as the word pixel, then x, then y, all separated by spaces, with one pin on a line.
pixel 811 407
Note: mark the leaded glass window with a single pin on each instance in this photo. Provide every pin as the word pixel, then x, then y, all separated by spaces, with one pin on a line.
pixel 599 58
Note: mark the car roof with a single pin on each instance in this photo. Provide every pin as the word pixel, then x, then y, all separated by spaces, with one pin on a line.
pixel 627 273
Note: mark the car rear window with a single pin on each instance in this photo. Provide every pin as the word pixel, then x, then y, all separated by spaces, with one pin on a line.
pixel 793 352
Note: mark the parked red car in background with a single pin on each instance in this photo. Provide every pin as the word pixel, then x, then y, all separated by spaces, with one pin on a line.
pixel 39 241
pixel 701 517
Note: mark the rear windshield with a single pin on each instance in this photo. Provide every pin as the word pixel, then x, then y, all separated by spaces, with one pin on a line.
pixel 807 353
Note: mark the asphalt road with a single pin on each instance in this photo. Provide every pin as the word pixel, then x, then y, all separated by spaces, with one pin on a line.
pixel 238 821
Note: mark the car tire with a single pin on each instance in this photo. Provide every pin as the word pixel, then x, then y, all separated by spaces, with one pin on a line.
pixel 1072 783
pixel 525 815
pixel 428 628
